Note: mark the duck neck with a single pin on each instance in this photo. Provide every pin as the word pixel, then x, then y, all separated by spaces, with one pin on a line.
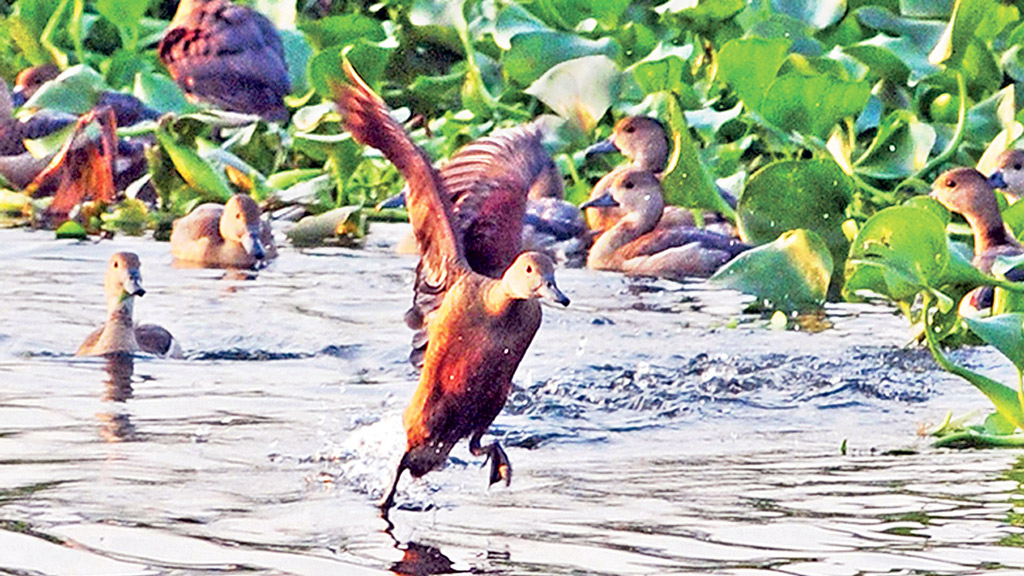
pixel 654 160
pixel 608 243
pixel 498 297
pixel 989 230
pixel 120 327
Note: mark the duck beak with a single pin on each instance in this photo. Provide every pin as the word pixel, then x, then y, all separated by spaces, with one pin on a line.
pixel 550 291
pixel 133 285
pixel 18 97
pixel 996 180
pixel 396 201
pixel 603 147
pixel 603 201
pixel 252 245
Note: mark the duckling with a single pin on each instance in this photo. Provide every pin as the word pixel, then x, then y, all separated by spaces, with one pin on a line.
pixel 120 334
pixel 967 192
pixel 228 55
pixel 1009 174
pixel 637 245
pixel 231 236
pixel 482 326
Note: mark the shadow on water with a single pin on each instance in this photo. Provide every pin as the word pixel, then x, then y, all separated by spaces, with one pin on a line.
pixel 116 425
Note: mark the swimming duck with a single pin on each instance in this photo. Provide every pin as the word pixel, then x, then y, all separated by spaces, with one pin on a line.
pixel 232 235
pixel 637 245
pixel 120 334
pixel 481 327
pixel 967 192
pixel 228 55
pixel 644 142
pixel 1009 174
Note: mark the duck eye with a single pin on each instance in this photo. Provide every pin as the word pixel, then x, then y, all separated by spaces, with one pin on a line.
pixel 529 269
pixel 117 264
pixel 950 183
pixel 628 186
pixel 630 129
pixel 1017 166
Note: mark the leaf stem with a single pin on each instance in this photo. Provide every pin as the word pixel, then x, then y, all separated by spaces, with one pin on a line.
pixel 958 134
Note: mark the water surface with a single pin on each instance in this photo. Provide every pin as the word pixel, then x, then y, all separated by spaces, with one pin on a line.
pixel 654 429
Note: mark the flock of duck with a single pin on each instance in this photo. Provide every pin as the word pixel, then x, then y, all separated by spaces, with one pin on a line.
pixel 489 226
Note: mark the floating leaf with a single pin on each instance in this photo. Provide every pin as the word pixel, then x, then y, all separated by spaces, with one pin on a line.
pixel 580 90
pixel 812 104
pixel 160 93
pixel 664 69
pixel 791 194
pixel 750 65
pixel 71 230
pixel 534 53
pixel 512 21
pixel 315 230
pixel 900 148
pixel 792 273
pixel 952 46
pixel 817 14
pixel 1005 333
pixel 899 60
pixel 75 91
pixel 342 30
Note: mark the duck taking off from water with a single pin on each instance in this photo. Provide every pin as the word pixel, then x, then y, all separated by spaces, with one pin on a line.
pixel 120 335
pixel 228 236
pixel 228 55
pixel 482 326
pixel 968 193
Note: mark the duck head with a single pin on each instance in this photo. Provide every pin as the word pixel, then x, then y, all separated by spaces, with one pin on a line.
pixel 123 279
pixel 241 223
pixel 1009 174
pixel 638 193
pixel 641 139
pixel 532 275
pixel 966 191
pixel 31 79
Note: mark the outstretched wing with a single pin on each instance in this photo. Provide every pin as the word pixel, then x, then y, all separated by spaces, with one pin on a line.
pixel 441 253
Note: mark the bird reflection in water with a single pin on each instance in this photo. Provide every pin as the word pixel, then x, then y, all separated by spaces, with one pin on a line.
pixel 116 426
pixel 419 559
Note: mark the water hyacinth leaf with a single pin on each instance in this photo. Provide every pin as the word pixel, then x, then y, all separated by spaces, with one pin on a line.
pixel 931 205
pixel 792 273
pixel 71 230
pixel 817 14
pixel 791 194
pixel 160 93
pixel 438 13
pixel 579 90
pixel 297 53
pixel 750 65
pixel 130 217
pixel 314 230
pixel 702 11
pixel 572 12
pixel 75 91
pixel 952 45
pixel 899 59
pixel 665 69
pixel 342 30
pixel 1001 143
pixel 937 9
pixel 1005 333
pixel 201 177
pixel 986 119
pixel 923 34
pixel 125 14
pixel 812 104
pixel 534 53
pixel 325 68
pixel 900 148
pixel 513 20
pixel 899 252
pixel 686 181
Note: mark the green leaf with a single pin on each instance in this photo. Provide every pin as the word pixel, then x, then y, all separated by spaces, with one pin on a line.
pixel 899 252
pixel 665 69
pixel 342 31
pixel 817 14
pixel 812 104
pixel 297 54
pixel 125 14
pixel 922 33
pixel 315 230
pixel 369 60
pixel 534 53
pixel 750 65
pixel 792 273
pixel 160 93
pixel 896 59
pixel 580 90
pixel 71 230
pixel 1003 332
pixel 687 181
pixel 513 20
pixel 940 9
pixel 75 91
pixel 704 12
pixel 952 46
pixel 791 194
pixel 900 148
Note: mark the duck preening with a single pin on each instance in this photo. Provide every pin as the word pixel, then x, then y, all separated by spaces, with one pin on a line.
pixel 229 236
pixel 481 327
pixel 227 55
pixel 120 334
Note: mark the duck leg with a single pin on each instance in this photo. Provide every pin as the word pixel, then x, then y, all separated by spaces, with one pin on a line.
pixel 389 500
pixel 501 468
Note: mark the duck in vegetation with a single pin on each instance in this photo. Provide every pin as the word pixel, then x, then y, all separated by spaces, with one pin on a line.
pixel 227 55
pixel 229 236
pixel 968 193
pixel 120 335
pixel 644 142
pixel 480 328
pixel 1009 174
pixel 636 244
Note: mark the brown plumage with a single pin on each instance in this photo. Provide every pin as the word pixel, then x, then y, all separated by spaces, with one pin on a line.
pixel 1009 174
pixel 228 55
pixel 638 244
pixel 482 327
pixel 120 334
pixel 231 236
